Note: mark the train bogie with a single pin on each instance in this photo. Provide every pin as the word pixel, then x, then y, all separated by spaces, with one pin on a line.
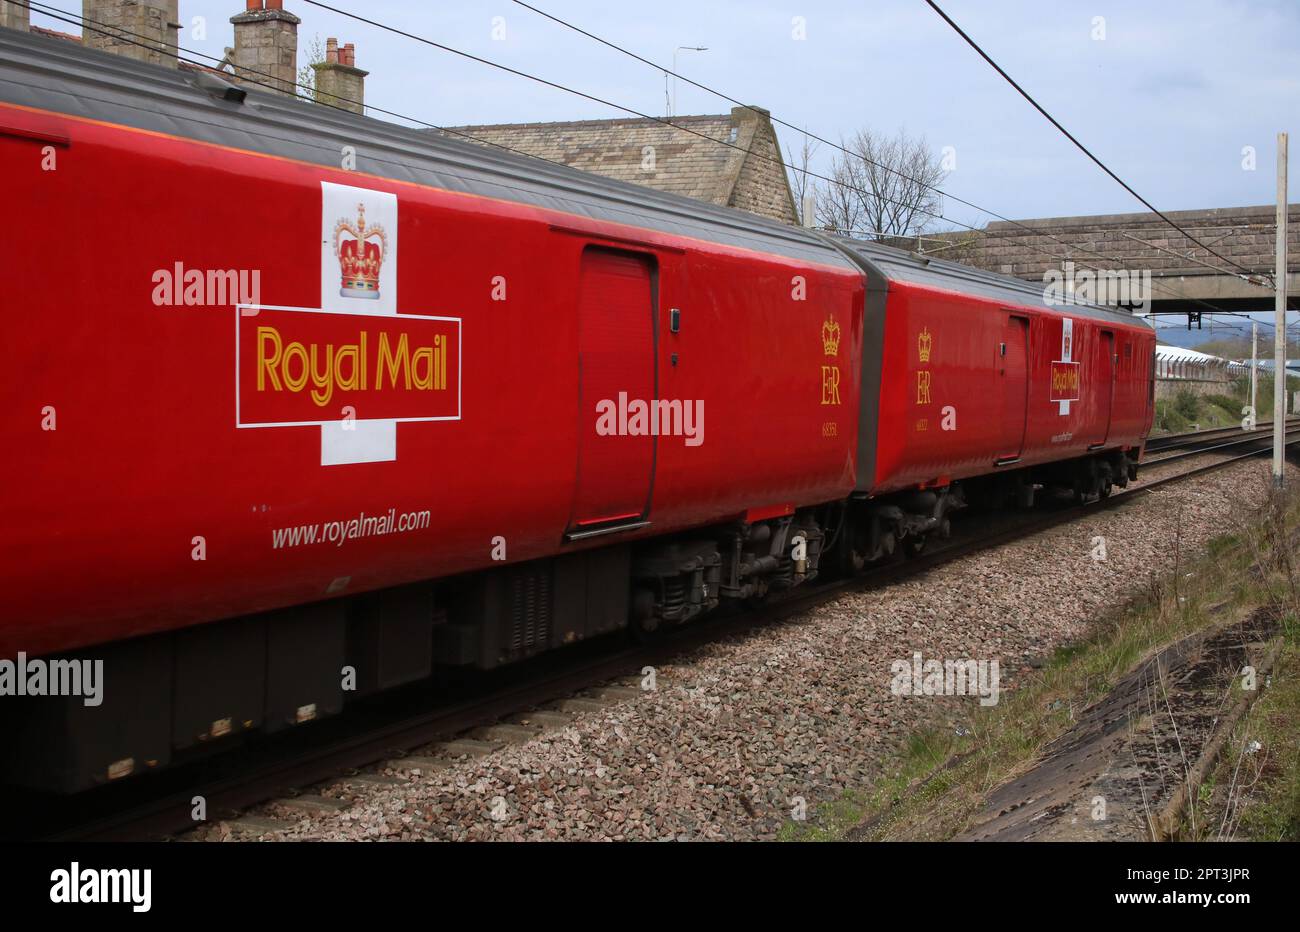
pixel 328 433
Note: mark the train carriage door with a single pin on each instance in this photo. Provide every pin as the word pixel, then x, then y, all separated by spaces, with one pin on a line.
pixel 616 450
pixel 1011 365
pixel 1104 372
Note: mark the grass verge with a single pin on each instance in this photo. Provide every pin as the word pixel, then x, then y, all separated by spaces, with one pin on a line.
pixel 934 786
pixel 1254 791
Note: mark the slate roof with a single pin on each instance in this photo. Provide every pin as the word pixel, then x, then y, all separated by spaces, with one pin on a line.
pixel 705 159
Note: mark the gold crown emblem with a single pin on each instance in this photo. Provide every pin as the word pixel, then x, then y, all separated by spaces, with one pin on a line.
pixel 361 256
pixel 923 344
pixel 831 337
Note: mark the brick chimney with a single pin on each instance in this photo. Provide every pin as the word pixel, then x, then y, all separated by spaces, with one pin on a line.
pixel 124 27
pixel 266 46
pixel 13 16
pixel 339 82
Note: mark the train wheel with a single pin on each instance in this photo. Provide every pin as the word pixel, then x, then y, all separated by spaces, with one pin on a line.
pixel 645 630
pixel 849 557
pixel 644 623
pixel 913 545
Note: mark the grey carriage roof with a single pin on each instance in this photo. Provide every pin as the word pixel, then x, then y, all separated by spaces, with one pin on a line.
pixel 65 77
pixel 900 265
pixel 54 74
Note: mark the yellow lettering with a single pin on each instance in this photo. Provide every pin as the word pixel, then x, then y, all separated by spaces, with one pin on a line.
pixel 395 362
pixel 328 368
pixel 347 354
pixel 923 387
pixel 423 357
pixel 296 350
pixel 830 385
pixel 266 367
pixel 323 380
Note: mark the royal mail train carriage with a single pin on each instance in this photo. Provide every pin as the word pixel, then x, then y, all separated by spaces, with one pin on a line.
pixel 520 407
pixel 976 386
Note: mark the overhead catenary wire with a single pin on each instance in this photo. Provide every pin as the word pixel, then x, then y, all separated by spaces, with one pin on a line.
pixel 774 118
pixel 273 83
pixel 156 46
pixel 631 110
pixel 153 45
pixel 667 122
pixel 822 139
pixel 1081 147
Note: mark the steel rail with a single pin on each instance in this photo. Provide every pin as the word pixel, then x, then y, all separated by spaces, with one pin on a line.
pixel 276 770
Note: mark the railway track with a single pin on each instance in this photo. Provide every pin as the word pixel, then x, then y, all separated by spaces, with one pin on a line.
pixel 1194 438
pixel 485 714
pixel 1215 444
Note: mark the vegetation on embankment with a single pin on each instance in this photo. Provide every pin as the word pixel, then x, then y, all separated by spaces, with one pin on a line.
pixel 1189 411
pixel 934 787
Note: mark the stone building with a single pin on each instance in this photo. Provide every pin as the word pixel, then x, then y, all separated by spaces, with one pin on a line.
pixel 141 29
pixel 748 174
pixel 265 53
pixel 731 159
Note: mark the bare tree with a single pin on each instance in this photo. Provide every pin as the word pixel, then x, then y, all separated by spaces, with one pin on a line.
pixel 315 55
pixel 798 163
pixel 964 246
pixel 884 187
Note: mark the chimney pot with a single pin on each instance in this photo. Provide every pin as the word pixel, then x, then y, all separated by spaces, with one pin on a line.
pixel 253 5
pixel 275 4
pixel 343 86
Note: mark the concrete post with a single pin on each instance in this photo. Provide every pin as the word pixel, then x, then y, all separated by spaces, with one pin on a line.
pixel 1254 371
pixel 1279 318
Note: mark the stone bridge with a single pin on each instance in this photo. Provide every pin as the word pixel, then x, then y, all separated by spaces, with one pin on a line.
pixel 1181 271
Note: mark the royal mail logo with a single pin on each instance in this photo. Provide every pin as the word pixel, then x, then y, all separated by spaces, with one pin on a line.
pixel 831 373
pixel 924 342
pixel 831 337
pixel 1064 387
pixel 361 251
pixel 1065 381
pixel 353 367
pixel 299 366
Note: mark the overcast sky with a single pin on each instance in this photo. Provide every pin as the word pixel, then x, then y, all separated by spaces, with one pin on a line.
pixel 1168 98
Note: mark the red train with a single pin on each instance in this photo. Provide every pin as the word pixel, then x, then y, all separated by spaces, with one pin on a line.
pixel 284 433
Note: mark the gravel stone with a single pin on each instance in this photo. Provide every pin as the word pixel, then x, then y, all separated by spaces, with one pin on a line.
pixel 738 733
